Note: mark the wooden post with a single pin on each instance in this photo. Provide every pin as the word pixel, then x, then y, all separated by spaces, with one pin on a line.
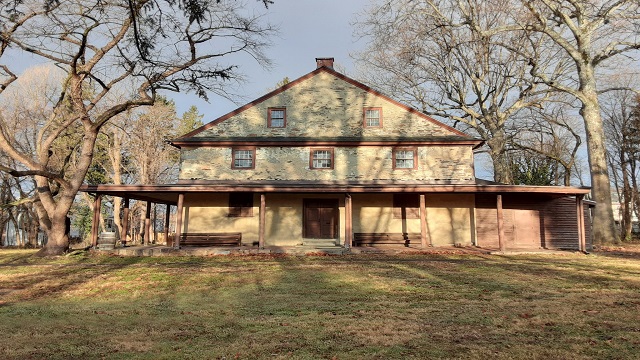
pixel 348 223
pixel 147 224
pixel 167 218
pixel 125 222
pixel 176 239
pixel 423 222
pixel 582 244
pixel 263 218
pixel 501 239
pixel 153 224
pixel 95 226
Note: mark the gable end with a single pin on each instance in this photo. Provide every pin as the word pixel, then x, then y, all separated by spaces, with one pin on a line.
pixel 337 75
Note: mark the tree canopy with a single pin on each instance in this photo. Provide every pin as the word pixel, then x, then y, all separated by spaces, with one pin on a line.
pixel 114 55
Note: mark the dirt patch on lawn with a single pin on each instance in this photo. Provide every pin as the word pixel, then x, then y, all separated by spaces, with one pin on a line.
pixel 626 250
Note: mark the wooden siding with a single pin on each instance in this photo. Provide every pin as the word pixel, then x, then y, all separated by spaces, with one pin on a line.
pixel 553 221
pixel 587 228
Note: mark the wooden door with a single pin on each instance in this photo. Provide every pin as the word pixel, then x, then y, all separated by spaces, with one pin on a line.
pixel 527 226
pixel 320 218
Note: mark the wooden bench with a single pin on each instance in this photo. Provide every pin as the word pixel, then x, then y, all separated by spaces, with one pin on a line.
pixel 373 239
pixel 210 239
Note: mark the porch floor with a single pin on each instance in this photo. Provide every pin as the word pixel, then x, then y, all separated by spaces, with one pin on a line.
pixel 162 250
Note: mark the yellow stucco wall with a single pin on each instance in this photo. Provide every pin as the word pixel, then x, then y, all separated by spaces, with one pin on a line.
pixel 284 217
pixel 373 213
pixel 208 213
pixel 449 217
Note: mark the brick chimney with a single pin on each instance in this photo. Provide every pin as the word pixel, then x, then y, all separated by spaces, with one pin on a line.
pixel 328 62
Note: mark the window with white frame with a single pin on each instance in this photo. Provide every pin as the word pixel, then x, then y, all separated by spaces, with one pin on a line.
pixel 404 158
pixel 277 118
pixel 321 159
pixel 243 158
pixel 372 117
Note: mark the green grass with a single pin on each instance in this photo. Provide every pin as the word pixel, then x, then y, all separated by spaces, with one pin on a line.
pixel 350 307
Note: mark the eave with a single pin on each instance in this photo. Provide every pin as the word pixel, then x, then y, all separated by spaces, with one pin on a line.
pixel 168 194
pixel 296 142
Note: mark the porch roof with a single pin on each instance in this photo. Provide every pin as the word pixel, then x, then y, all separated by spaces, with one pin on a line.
pixel 168 193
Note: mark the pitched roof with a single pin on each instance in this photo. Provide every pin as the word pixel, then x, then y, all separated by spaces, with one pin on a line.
pixel 299 80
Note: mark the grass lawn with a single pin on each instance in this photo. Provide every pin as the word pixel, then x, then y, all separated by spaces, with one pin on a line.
pixel 567 306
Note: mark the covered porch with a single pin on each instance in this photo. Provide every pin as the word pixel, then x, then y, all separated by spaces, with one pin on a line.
pixel 261 215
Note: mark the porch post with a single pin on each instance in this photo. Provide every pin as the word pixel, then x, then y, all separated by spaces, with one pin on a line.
pixel 147 224
pixel 176 239
pixel 423 221
pixel 167 217
pixel 153 224
pixel 582 245
pixel 348 223
pixel 263 218
pixel 125 222
pixel 95 226
pixel 501 239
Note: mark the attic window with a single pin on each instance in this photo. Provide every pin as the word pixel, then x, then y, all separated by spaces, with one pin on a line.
pixel 277 118
pixel 372 117
pixel 243 158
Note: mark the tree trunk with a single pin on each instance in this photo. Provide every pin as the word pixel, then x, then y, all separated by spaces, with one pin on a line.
pixel 141 234
pixel 501 164
pixel 2 225
pixel 32 233
pixel 57 237
pixel 603 225
pixel 626 201
pixel 117 220
pixel 53 210
pixel 567 176
pixel 115 156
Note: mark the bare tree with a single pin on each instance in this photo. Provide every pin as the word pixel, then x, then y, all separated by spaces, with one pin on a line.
pixel 621 115
pixel 591 34
pixel 426 55
pixel 580 37
pixel 552 134
pixel 135 149
pixel 104 46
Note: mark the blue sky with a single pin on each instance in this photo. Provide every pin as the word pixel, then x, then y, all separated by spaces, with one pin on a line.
pixel 307 29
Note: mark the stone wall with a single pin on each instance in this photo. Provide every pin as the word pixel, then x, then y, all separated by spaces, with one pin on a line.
pixel 436 164
pixel 325 106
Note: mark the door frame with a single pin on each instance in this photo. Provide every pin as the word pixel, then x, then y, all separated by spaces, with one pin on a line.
pixel 335 205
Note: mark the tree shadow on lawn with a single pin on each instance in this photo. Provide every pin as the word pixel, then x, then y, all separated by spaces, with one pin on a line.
pixel 316 307
pixel 45 279
pixel 507 302
pixel 582 268
pixel 627 252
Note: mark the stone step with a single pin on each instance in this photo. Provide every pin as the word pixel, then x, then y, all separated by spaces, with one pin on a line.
pixel 307 250
pixel 319 242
